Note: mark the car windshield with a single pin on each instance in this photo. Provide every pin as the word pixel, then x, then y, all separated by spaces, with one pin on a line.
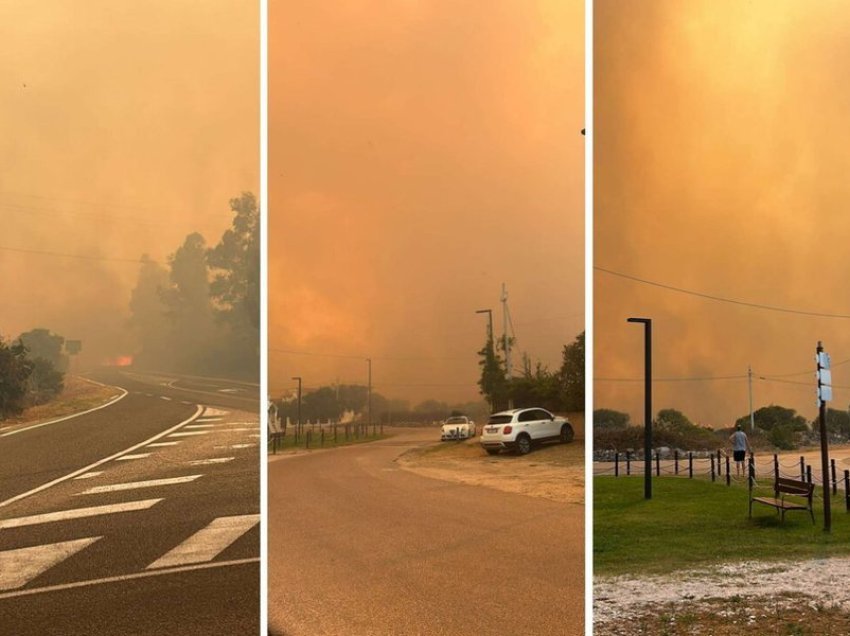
pixel 456 420
pixel 500 419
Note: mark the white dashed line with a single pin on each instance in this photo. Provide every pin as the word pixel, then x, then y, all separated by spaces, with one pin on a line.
pixel 125 458
pixel 89 475
pixel 212 460
pixel 157 444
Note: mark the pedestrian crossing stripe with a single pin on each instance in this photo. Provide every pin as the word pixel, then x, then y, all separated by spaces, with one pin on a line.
pixel 78 513
pixel 132 485
pixel 19 566
pixel 208 542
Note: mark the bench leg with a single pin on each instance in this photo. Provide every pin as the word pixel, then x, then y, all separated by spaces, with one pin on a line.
pixel 782 516
pixel 812 512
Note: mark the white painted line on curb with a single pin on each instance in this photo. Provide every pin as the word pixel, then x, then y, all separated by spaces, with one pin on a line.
pixel 207 543
pixel 132 485
pixel 19 566
pixel 125 458
pixel 68 417
pixel 128 577
pixel 99 462
pixel 78 513
pixel 93 473
pixel 211 460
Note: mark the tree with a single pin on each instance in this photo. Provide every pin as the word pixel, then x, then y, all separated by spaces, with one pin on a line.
pixel 192 331
pixel 42 343
pixel 45 381
pixel 608 419
pixel 492 384
pixel 837 422
pixel 15 371
pixel 673 421
pixel 571 375
pixel 148 317
pixel 535 388
pixel 769 417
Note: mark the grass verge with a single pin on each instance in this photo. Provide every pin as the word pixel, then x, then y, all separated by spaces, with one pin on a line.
pixel 78 395
pixel 691 522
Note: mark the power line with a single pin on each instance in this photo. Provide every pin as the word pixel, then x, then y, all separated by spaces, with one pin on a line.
pixel 88 257
pixel 364 357
pixel 722 299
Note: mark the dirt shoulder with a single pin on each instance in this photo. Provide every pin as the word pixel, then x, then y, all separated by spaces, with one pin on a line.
pixel 552 471
pixel 78 395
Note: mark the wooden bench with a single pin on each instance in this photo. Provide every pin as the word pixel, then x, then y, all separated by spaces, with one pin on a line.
pixel 781 487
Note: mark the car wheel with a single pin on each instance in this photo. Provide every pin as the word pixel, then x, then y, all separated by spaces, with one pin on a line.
pixel 567 433
pixel 492 451
pixel 523 445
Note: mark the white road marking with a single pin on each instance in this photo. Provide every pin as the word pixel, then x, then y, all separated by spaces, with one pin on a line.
pixel 78 513
pixel 200 426
pixel 208 542
pixel 99 462
pixel 212 411
pixel 211 460
pixel 164 397
pixel 127 577
pixel 241 428
pixel 132 485
pixel 188 433
pixel 157 444
pixel 93 473
pixel 210 419
pixel 131 457
pixel 185 402
pixel 255 435
pixel 68 417
pixel 242 445
pixel 19 566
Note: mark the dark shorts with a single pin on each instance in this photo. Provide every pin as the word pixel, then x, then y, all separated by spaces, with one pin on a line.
pixel 740 455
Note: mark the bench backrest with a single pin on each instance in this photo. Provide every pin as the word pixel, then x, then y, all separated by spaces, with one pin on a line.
pixel 793 487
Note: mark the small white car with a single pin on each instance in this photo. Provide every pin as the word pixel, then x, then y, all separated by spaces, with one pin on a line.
pixel 518 429
pixel 457 427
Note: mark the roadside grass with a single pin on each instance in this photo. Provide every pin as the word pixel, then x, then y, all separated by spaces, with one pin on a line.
pixel 78 395
pixel 692 522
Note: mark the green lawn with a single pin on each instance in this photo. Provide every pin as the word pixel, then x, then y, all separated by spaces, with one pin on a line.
pixel 690 522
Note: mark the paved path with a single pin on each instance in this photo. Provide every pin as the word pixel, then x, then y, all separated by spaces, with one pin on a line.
pixel 358 546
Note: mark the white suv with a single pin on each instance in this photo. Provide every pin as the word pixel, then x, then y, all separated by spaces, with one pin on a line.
pixel 517 429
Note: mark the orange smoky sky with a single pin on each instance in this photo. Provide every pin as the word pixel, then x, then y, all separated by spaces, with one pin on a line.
pixel 720 166
pixel 422 154
pixel 126 126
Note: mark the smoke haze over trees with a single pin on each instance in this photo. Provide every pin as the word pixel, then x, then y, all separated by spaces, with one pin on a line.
pixel 200 314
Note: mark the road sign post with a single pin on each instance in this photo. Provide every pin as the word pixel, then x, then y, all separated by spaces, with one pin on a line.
pixel 647 430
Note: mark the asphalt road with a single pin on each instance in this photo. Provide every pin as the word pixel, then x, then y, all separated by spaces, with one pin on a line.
pixel 149 523
pixel 358 546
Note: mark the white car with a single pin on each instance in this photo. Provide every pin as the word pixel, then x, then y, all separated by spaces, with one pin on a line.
pixel 518 429
pixel 457 427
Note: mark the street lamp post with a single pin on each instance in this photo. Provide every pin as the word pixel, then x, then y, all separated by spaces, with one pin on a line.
pixel 298 423
pixel 647 405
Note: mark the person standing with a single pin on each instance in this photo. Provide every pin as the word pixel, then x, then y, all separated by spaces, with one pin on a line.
pixel 740 448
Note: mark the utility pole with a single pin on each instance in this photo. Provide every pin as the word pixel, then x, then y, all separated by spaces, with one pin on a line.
pixel 298 424
pixel 824 394
pixel 506 343
pixel 369 405
pixel 490 344
pixel 750 380
pixel 647 405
